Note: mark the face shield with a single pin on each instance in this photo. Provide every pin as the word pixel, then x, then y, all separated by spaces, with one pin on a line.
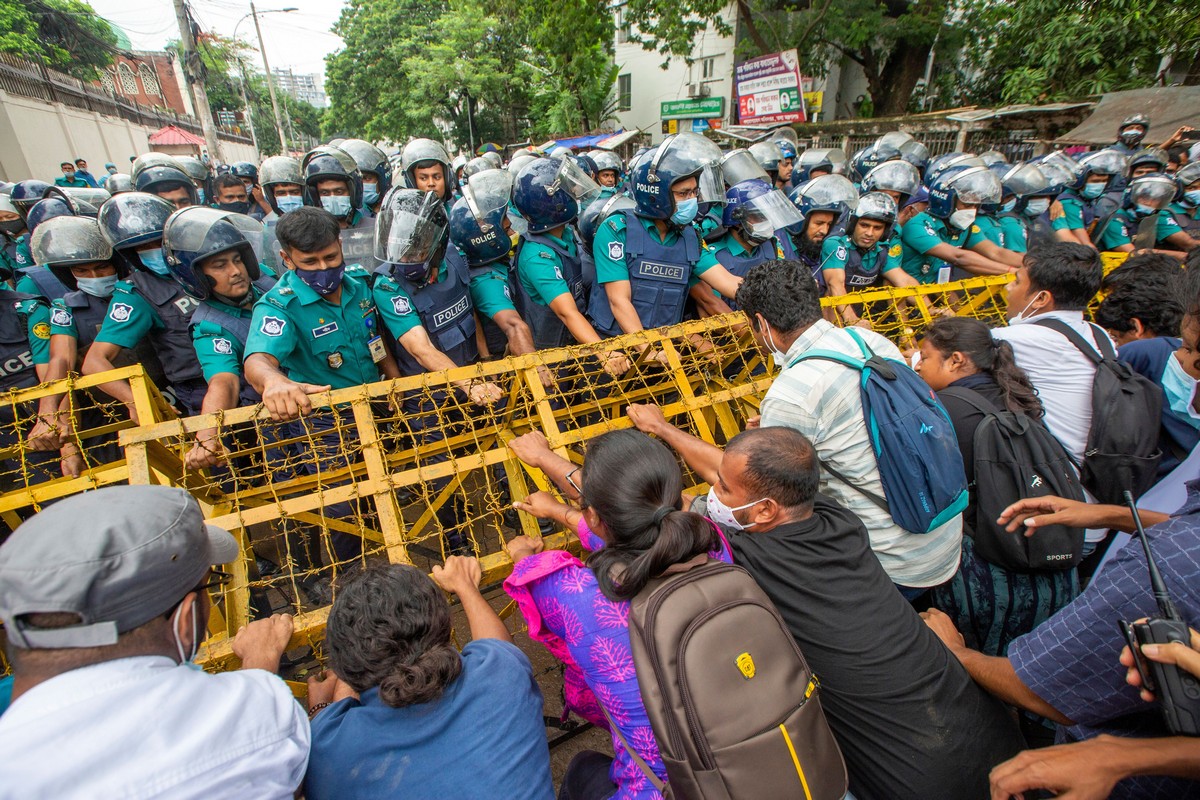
pixel 63 241
pixel 409 232
pixel 147 160
pixel 711 186
pixel 977 185
pixel 741 165
pixel 830 192
pixel 188 229
pixel 487 192
pixel 1024 179
pixel 94 198
pixel 914 152
pixel 896 139
pixel 1060 169
pixel 574 181
pixel 1153 192
pixel 762 216
pixel 1105 162
pixel 893 176
pixel 834 156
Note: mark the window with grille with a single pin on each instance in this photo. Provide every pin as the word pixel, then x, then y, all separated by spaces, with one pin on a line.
pixel 623 26
pixel 624 92
pixel 128 81
pixel 708 68
pixel 149 81
pixel 106 80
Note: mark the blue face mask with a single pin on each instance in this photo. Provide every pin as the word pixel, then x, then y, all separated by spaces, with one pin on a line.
pixel 1009 206
pixel 1144 211
pixel 1192 196
pixel 338 206
pixel 322 281
pixel 1037 207
pixel 200 196
pixel 155 261
pixel 686 211
pixel 370 193
pixel 1179 387
pixel 98 287
pixel 1093 190
pixel 289 203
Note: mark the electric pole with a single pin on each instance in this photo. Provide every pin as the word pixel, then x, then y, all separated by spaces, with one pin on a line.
pixel 193 74
pixel 283 148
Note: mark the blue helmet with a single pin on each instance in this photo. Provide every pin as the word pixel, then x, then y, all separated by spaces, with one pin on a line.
pixel 370 159
pixel 758 209
pixel 477 218
pixel 606 160
pixel 1060 169
pixel 871 157
pixel 828 160
pixel 165 178
pixel 1154 191
pixel 832 193
pixel 738 195
pixel 550 192
pixel 585 163
pixel 411 234
pixel 193 234
pixel 1108 163
pixel 595 214
pixel 244 169
pixel 678 157
pixel 898 176
pixel 974 186
pixel 948 160
pixel 331 163
pixel 49 208
pixel 874 206
pixel 915 153
pixel 131 219
pixel 27 192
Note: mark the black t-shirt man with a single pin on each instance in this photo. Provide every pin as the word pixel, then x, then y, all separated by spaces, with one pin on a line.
pixel 910 721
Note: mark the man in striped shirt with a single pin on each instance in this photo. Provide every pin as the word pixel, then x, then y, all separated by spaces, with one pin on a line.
pixel 821 400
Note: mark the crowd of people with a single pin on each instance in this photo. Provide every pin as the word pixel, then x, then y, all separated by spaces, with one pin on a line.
pixel 965 638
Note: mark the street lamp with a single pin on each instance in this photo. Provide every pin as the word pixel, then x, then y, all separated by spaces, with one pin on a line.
pixel 266 65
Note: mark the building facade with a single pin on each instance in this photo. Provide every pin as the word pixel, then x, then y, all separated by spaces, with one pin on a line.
pixel 306 87
pixel 145 77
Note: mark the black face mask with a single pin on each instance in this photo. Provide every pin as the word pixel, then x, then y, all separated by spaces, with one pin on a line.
pixel 12 227
pixel 242 207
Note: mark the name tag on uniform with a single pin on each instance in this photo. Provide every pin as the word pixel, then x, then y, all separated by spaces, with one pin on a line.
pixel 324 330
pixel 944 275
pixel 661 272
pixel 378 351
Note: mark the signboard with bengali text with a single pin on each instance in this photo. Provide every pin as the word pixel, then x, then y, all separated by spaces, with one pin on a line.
pixel 769 89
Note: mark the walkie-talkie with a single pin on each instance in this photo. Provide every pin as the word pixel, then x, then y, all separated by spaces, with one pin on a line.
pixel 1177 690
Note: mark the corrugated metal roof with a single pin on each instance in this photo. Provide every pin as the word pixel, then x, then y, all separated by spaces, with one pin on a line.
pixel 175 135
pixel 617 139
pixel 981 114
pixel 1168 107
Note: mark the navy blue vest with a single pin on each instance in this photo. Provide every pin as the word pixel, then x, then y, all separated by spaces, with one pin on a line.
pixel 47 282
pixel 446 313
pixel 16 356
pixel 239 328
pixel 548 330
pixel 858 276
pixel 174 341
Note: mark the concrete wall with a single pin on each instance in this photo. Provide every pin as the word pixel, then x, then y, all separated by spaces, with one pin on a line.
pixel 36 136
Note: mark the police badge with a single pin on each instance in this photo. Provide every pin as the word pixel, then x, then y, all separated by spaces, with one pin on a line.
pixel 616 251
pixel 401 305
pixel 272 326
pixel 120 312
pixel 223 347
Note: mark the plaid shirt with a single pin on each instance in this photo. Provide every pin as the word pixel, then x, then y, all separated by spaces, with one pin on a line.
pixel 1070 661
pixel 822 400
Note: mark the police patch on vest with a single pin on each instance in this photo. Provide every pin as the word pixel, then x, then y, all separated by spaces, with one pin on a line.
pixel 324 330
pixel 120 312
pixel 41 330
pixel 401 305
pixel 272 326
pixel 558 273
pixel 450 314
pixel 929 228
pixel 223 347
pixel 840 255
pixel 61 317
pixel 616 250
pixel 661 272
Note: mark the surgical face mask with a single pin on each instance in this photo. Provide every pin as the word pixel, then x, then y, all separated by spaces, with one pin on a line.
pixel 963 218
pixel 98 287
pixel 686 211
pixel 1021 316
pixel 1180 389
pixel 322 281
pixel 1037 206
pixel 185 659
pixel 288 203
pixel 1093 190
pixel 155 261
pixel 240 207
pixel 722 514
pixel 1144 211
pixel 111 170
pixel 778 357
pixel 1009 206
pixel 200 197
pixel 337 205
pixel 370 193
pixel 757 232
pixel 1192 197
pixel 1132 138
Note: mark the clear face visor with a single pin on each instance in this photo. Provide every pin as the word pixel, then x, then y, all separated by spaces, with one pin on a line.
pixel 93 197
pixel 487 192
pixel 408 237
pixel 894 176
pixel 1106 162
pixel 423 150
pixel 1060 168
pixel 147 160
pixel 827 190
pixel 896 139
pixel 770 212
pixel 285 170
pixel 1156 193
pixel 740 165
pixel 574 181
pixel 978 186
pixel 914 150
pixel 1025 179
pixel 188 228
pixel 711 186
pixel 69 240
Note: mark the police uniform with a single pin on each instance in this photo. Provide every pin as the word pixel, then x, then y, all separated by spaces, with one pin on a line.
pixel 146 305
pixel 40 281
pixel 1124 227
pixel 628 248
pixel 24 343
pixel 1186 217
pixel 219 333
pixel 739 261
pixel 920 235
pixel 548 267
pixel 1012 230
pixel 863 270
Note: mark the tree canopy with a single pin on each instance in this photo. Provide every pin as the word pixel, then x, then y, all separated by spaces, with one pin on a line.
pixel 65 35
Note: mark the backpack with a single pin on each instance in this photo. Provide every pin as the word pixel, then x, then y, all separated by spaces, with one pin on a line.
pixel 734 706
pixel 924 483
pixel 1122 446
pixel 1016 458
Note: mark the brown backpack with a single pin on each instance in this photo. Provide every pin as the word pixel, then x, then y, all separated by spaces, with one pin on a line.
pixel 734 707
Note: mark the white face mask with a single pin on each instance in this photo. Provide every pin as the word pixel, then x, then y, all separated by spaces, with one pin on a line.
pixel 1180 389
pixel 778 357
pixel 185 659
pixel 722 514
pixel 963 218
pixel 1022 317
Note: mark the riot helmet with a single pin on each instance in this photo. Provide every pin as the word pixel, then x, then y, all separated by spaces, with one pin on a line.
pixel 244 170
pixel 993 157
pixel 915 153
pixel 151 159
pixel 63 242
pixel 768 155
pixel 117 183
pixel 607 161
pixel 132 220
pixel 24 194
pixel 517 163
pixel 371 161
pixel 740 165
pixel 477 218
pixel 871 157
pixel 475 166
pixel 1150 194
pixel 874 206
pixel 496 160
pixel 191 235
pixel 411 234
pixel 279 171
pixel 973 186
pixel 829 161
pixel 1061 171
pixel 677 158
pixel 948 160
pixel 900 177
pixel 758 210
pixel 1188 175
pixel 549 193
pixel 1147 162
pixel 328 163
pixel 197 170
pixel 832 193
pixel 1133 130
pixel 595 214
pixel 164 179
pixel 1102 163
pixel 425 153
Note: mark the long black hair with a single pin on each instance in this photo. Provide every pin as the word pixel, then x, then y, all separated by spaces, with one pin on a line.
pixel 634 483
pixel 974 340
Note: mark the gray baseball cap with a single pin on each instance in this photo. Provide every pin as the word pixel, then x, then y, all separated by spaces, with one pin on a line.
pixel 117 557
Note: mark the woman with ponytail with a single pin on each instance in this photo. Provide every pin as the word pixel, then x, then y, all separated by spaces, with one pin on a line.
pixel 991 604
pixel 402 713
pixel 631 519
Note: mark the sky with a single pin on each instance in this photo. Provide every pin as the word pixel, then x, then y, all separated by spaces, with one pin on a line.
pixel 299 39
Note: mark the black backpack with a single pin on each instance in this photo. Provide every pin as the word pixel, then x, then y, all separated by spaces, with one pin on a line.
pixel 1016 458
pixel 1122 447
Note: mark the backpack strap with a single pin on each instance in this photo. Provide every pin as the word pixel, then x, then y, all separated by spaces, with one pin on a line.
pixel 642 765
pixel 874 498
pixel 972 398
pixel 1073 336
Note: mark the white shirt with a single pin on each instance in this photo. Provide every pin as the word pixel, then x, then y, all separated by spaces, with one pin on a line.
pixel 147 727
pixel 822 400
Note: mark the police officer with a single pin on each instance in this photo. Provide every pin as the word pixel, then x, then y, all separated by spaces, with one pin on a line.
pixel 1083 203
pixel 169 182
pixel 426 167
pixel 553 284
pixel 757 218
pixel 646 259
pixel 282 184
pixel 609 171
pixel 376 171
pixel 1020 217
pixel 815 163
pixel 24 195
pixel 230 195
pixel 209 254
pixel 1186 210
pixel 332 182
pixel 777 159
pixel 936 240
pixel 1143 222
pixel 864 257
pixel 247 173
pixel 1132 131
pixel 197 170
pixel 823 203
pixel 12 227
pixel 898 179
pixel 147 305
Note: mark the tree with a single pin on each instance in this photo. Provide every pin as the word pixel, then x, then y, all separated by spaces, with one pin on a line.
pixel 66 35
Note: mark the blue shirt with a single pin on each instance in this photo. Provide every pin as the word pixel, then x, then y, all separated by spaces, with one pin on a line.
pixel 1149 357
pixel 1070 661
pixel 484 738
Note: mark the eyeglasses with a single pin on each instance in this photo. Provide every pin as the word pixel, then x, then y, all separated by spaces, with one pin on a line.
pixel 574 485
pixel 216 580
pixel 685 194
